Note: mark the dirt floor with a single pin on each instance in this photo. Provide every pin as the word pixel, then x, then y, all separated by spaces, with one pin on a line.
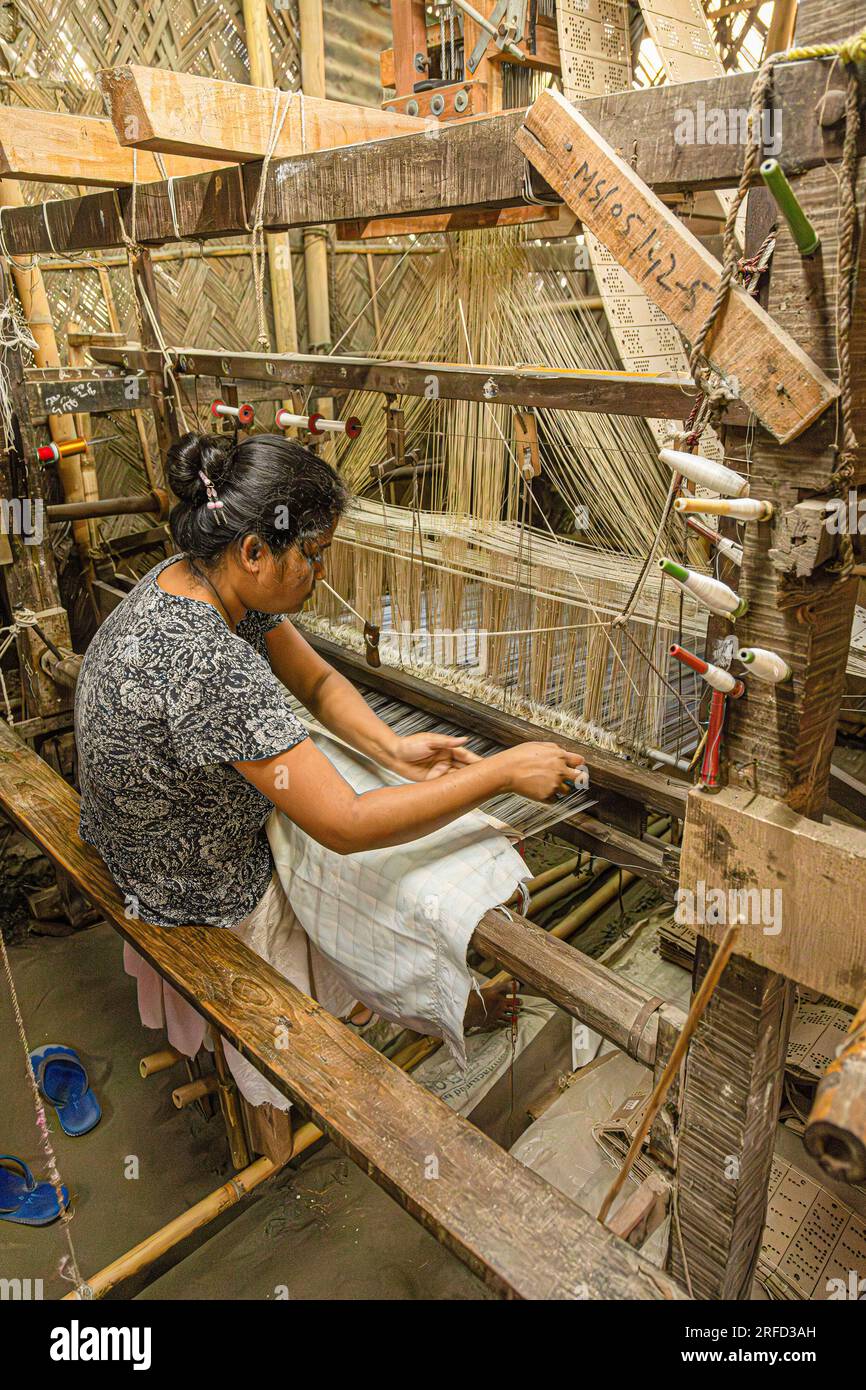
pixel 323 1231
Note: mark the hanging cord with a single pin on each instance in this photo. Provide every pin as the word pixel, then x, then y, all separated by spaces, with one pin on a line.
pixel 69 1265
pixel 850 52
pixel 15 335
pixel 168 366
pixel 257 249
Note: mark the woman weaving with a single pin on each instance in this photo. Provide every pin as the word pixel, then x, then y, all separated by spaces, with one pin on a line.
pixel 187 740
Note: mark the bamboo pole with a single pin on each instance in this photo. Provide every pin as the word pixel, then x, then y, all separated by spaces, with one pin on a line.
pixel 311 25
pixel 211 1206
pixel 30 288
pixel 656 1101
pixel 191 1091
pixel 150 1249
pixel 114 325
pixel 156 1062
pixel 278 246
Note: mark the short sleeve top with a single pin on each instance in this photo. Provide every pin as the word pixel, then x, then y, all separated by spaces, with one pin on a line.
pixel 167 699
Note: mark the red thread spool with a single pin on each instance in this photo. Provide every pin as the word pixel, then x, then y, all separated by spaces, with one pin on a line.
pixel 244 414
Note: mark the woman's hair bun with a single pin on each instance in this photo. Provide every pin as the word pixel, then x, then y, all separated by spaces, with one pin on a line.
pixel 191 455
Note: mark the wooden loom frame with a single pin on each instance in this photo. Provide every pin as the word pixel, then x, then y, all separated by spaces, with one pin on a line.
pixel 783 753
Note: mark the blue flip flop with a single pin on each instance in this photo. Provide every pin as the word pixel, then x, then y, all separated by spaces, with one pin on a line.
pixel 63 1082
pixel 24 1200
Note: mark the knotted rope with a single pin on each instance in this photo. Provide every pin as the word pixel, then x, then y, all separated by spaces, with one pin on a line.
pixel 850 52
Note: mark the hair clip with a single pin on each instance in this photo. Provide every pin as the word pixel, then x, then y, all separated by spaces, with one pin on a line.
pixel 214 503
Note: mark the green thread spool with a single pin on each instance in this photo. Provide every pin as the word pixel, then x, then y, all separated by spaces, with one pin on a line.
pixel 804 234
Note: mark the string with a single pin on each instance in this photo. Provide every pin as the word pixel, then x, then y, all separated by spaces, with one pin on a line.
pixel 42 1124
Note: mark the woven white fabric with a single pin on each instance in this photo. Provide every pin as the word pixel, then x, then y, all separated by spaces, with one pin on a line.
pixel 395 924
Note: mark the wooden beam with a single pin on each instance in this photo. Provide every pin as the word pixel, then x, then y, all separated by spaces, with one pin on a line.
pixel 624 1013
pixel 176 113
pixel 53 147
pixel 519 1234
pixel 763 364
pixel 409 54
pixel 464 219
pixel 812 877
pixel 620 393
pixel 470 164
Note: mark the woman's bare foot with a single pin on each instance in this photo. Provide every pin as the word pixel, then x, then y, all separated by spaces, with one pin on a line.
pixel 496 1007
pixel 360 1016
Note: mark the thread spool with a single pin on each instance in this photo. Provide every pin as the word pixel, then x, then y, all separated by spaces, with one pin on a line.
pixel 766 665
pixel 711 592
pixel 244 414
pixel 805 237
pixel 317 424
pixel 706 472
pixel 714 676
pixel 741 508
pixel 723 544
pixel 67 448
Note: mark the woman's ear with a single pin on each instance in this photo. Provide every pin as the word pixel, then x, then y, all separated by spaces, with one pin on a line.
pixel 251 551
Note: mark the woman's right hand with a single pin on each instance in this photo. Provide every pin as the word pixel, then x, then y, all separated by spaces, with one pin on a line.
pixel 539 770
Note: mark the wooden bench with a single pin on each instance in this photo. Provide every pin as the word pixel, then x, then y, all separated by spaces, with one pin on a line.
pixel 524 1238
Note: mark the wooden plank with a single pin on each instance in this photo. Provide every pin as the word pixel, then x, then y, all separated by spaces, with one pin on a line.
pixel 94 394
pixel 624 1013
pixel 176 113
pixel 522 1236
pixel 621 393
pixel 474 164
pixel 812 876
pixel 759 360
pixel 54 147
pixel 409 54
pixel 464 219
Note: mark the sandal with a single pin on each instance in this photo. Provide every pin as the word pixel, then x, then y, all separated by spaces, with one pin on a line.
pixel 24 1200
pixel 62 1080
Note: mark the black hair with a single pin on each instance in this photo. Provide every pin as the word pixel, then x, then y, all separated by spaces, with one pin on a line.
pixel 269 486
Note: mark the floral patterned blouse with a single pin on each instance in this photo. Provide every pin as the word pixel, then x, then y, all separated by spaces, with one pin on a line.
pixel 167 699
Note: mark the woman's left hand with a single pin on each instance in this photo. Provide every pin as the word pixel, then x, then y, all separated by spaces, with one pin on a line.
pixel 421 757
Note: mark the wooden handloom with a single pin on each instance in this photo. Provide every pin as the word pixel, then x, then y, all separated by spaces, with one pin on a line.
pixel 779 743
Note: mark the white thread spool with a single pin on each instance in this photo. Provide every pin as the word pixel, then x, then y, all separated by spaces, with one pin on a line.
pixel 317 424
pixel 766 665
pixel 712 592
pixel 706 472
pixel 741 508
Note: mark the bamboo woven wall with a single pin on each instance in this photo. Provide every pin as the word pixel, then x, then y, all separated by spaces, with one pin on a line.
pixel 49 54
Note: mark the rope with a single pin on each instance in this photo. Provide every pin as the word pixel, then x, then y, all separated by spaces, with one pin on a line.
pixel 257 249
pixel 850 51
pixel 71 1262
